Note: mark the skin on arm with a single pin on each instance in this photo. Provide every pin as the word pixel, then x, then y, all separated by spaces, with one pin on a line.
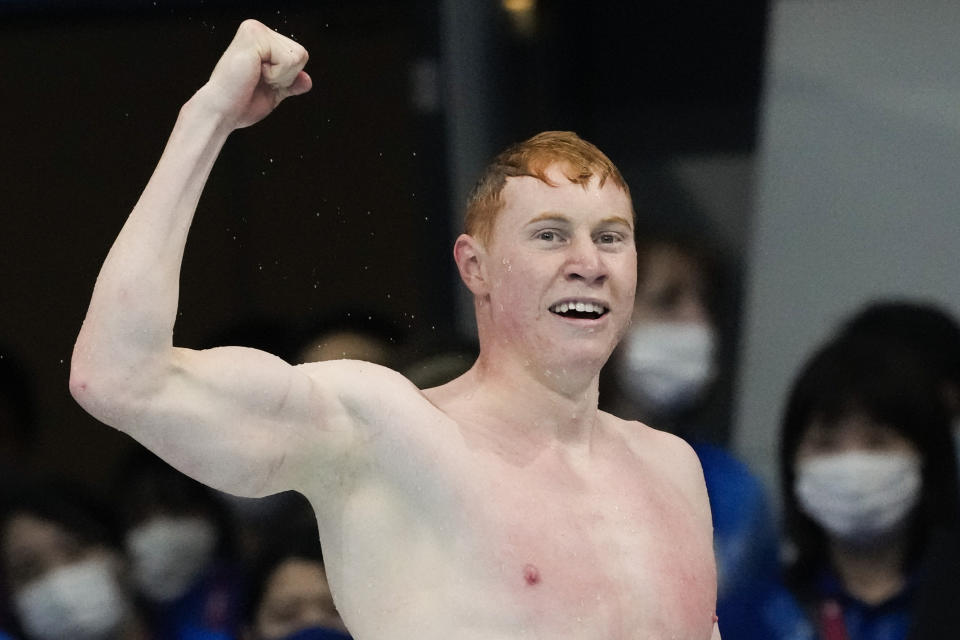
pixel 687 465
pixel 234 418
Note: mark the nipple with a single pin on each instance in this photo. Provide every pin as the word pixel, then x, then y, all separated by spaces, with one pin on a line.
pixel 531 574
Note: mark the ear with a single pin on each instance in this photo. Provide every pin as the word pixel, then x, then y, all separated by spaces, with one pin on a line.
pixel 469 255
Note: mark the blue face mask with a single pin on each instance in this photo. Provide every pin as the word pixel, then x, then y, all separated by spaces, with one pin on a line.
pixel 318 633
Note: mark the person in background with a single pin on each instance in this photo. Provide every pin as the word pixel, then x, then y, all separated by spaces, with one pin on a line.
pixel 440 362
pixel 290 597
pixel 178 548
pixel 664 373
pixel 63 569
pixel 351 334
pixel 869 498
pixel 933 334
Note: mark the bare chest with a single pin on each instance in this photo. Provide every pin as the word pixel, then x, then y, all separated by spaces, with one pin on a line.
pixel 617 550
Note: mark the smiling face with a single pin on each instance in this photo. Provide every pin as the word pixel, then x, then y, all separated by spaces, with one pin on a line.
pixel 557 279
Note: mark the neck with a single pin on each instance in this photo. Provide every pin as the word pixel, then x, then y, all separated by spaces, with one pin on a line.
pixel 872 575
pixel 533 401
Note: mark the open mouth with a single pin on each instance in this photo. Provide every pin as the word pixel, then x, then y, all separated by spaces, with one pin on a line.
pixel 580 310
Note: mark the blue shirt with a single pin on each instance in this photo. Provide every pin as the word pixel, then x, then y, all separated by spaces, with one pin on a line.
pixel 745 540
pixel 210 610
pixel 782 617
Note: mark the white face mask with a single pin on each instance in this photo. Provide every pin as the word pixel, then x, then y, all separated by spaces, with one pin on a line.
pixel 168 554
pixel 82 600
pixel 859 496
pixel 667 365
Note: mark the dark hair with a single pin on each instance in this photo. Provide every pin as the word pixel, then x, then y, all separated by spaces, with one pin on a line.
pixel 888 384
pixel 708 257
pixel 922 326
pixel 299 545
pixel 65 505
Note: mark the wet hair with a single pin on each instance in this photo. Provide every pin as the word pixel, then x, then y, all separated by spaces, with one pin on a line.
pixel 887 383
pixel 579 159
pixel 922 326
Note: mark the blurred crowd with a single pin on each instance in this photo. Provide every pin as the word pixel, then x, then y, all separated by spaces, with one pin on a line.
pixel 866 545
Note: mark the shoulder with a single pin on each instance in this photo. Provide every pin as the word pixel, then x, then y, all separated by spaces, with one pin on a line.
pixel 672 455
pixel 365 389
pixel 354 371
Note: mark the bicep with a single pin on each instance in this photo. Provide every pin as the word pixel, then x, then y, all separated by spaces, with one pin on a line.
pixel 238 419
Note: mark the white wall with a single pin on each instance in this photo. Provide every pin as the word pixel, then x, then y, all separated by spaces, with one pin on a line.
pixel 857 185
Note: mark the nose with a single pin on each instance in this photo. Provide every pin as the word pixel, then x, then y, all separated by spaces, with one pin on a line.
pixel 585 262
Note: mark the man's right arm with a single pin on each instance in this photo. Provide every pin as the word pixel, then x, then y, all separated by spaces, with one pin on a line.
pixel 234 418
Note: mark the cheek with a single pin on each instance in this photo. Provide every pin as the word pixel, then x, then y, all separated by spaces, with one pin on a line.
pixel 514 284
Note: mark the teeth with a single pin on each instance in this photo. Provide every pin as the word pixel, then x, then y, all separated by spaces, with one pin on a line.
pixel 582 307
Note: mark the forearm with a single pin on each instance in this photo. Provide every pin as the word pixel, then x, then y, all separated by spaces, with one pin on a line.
pixel 129 324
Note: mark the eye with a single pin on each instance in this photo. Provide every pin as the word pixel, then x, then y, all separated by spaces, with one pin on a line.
pixel 547 235
pixel 609 237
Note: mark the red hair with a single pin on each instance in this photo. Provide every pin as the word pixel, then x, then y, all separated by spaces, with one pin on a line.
pixel 578 159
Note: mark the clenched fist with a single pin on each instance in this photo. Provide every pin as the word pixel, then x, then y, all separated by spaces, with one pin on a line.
pixel 258 70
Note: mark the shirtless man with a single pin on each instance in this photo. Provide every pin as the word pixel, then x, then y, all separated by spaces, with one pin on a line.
pixel 500 506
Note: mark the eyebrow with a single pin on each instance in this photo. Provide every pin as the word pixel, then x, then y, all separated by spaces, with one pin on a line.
pixel 559 217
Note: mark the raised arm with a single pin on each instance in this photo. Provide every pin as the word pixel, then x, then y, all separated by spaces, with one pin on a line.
pixel 233 418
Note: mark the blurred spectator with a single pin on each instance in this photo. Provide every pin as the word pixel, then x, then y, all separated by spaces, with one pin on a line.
pixel 666 364
pixel 178 546
pixel 291 598
pixel 357 334
pixel 64 572
pixel 663 373
pixel 870 499
pixel 440 363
